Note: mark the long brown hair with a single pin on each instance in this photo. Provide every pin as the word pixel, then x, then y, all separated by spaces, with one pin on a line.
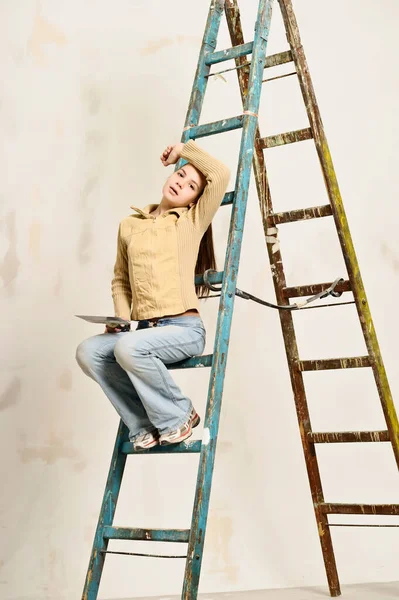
pixel 206 260
pixel 206 253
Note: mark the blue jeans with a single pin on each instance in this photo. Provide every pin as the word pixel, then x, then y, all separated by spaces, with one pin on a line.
pixel 130 368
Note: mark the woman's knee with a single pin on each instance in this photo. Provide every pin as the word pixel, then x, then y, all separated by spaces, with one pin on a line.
pixel 87 355
pixel 127 352
pixel 83 356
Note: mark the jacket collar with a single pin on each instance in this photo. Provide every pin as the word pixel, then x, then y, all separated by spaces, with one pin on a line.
pixel 144 212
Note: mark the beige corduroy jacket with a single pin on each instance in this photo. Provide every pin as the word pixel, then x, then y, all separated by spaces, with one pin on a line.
pixel 156 257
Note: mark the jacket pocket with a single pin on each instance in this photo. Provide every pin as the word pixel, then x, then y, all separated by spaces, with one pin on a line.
pixel 138 249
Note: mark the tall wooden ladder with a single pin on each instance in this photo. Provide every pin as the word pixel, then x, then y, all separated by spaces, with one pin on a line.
pixel 352 285
pixel 251 152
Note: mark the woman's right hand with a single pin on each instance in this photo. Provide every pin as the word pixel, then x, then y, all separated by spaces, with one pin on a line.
pixel 109 329
pixel 171 154
pixel 118 328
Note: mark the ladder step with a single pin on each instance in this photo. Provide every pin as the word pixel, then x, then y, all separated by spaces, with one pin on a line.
pixel 285 138
pixel 195 362
pixel 228 198
pixel 216 127
pixel 359 509
pixel 149 535
pixel 243 50
pixel 189 447
pixel 213 278
pixel 278 59
pixel 301 214
pixel 235 52
pixel 311 290
pixel 328 437
pixel 334 363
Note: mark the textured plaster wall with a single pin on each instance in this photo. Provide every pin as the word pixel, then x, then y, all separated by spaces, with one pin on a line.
pixel 91 92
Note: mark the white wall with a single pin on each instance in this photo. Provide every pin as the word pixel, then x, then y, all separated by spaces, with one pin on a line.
pixel 91 94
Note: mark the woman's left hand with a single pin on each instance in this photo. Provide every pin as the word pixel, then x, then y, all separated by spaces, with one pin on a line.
pixel 171 154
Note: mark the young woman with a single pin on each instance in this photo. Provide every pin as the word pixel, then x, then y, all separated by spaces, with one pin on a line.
pixel 160 248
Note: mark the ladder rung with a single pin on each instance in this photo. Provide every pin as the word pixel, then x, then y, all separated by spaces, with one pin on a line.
pixel 216 127
pixel 359 509
pixel 228 198
pixel 285 138
pixel 243 50
pixel 334 363
pixel 235 52
pixel 190 447
pixel 149 535
pixel 329 437
pixel 316 288
pixel 195 362
pixel 301 214
pixel 213 278
pixel 278 59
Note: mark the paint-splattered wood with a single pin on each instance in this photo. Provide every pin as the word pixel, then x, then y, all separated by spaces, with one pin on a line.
pixel 290 137
pixel 299 214
pixel 310 290
pixel 333 437
pixel 354 362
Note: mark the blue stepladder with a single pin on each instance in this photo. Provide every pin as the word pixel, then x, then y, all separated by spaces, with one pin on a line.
pixel 247 121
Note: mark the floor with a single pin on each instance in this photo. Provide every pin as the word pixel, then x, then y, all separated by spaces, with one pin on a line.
pixel 365 591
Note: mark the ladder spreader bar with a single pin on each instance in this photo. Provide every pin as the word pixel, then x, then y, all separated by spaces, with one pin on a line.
pixel 149 535
pixel 228 54
pixel 300 214
pixel 329 437
pixel 312 290
pixel 358 509
pixel 189 447
pixel 289 137
pixel 216 127
pixel 334 363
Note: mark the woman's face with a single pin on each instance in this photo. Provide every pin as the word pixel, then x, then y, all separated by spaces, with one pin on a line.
pixel 183 187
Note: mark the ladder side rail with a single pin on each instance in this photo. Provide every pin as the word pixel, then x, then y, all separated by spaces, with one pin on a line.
pixel 211 423
pixel 302 410
pixel 106 516
pixel 198 90
pixel 341 222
